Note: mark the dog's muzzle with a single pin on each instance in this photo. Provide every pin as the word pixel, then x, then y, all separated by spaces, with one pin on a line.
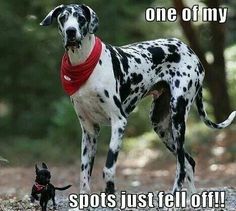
pixel 72 40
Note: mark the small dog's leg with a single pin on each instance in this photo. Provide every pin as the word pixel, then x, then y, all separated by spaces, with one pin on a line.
pixel 43 204
pixel 88 151
pixel 54 202
pixel 117 127
pixel 33 196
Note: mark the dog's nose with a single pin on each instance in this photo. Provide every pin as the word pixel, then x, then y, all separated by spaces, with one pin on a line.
pixel 71 33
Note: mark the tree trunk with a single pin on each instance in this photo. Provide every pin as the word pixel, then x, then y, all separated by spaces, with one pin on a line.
pixel 215 73
pixel 221 102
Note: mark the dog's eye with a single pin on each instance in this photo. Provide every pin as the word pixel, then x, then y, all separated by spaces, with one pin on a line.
pixel 82 20
pixel 62 18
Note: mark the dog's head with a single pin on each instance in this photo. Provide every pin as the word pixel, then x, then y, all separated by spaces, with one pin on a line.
pixel 43 175
pixel 74 22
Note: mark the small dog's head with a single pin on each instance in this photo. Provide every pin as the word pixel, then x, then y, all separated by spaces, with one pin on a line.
pixel 43 175
pixel 74 22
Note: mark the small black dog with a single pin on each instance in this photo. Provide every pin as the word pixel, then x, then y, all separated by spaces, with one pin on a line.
pixel 44 187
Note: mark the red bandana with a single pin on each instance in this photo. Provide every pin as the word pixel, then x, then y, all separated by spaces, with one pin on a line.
pixel 73 77
pixel 39 187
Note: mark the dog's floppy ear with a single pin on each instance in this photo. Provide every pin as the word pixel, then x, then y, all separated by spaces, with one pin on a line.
pixel 36 169
pixel 91 17
pixel 51 15
pixel 44 166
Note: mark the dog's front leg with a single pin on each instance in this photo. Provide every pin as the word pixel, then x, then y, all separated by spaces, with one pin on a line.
pixel 117 127
pixel 88 151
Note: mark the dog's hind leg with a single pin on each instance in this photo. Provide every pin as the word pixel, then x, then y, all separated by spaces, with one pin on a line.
pixel 180 107
pixel 53 200
pixel 161 118
pixel 88 152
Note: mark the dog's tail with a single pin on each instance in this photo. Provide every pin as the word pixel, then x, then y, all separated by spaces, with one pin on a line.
pixel 63 188
pixel 206 120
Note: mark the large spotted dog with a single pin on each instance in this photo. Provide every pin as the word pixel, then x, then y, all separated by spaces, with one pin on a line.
pixel 167 69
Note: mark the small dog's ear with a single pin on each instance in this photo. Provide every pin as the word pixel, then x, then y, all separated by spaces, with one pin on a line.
pixel 91 17
pixel 51 15
pixel 44 166
pixel 36 169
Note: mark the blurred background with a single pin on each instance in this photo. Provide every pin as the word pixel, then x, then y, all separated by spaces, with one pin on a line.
pixel 37 121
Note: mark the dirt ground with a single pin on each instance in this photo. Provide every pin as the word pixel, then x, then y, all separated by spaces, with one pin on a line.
pixel 138 171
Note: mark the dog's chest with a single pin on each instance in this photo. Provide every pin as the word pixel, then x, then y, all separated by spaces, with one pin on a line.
pixel 88 104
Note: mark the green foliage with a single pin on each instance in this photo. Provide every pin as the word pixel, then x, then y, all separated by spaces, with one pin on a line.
pixel 26 83
pixel 64 123
pixel 230 54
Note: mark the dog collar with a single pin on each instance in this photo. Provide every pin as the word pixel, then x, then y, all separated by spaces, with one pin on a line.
pixel 73 77
pixel 39 187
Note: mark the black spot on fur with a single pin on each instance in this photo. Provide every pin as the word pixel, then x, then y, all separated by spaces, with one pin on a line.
pixel 181 174
pixel 91 166
pixel 68 9
pixel 189 67
pixel 116 64
pixel 120 131
pixel 118 104
pixel 125 89
pixel 101 100
pixel 178 117
pixel 174 57
pixel 177 83
pixel 200 68
pixel 124 59
pixel 197 85
pixel 172 73
pixel 158 55
pixel 136 78
pixel 138 60
pixel 106 93
pixel 161 75
pixel 172 48
pixel 131 105
pixel 190 84
pixel 144 55
pixel 190 160
pixel 82 167
pixel 85 151
pixel 157 70
pixel 136 90
pixel 100 62
pixel 111 158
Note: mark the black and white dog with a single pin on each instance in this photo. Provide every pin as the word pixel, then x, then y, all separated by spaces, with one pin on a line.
pixel 165 68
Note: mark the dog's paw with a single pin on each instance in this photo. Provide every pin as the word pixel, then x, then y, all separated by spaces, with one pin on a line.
pixel 110 189
pixel 32 199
